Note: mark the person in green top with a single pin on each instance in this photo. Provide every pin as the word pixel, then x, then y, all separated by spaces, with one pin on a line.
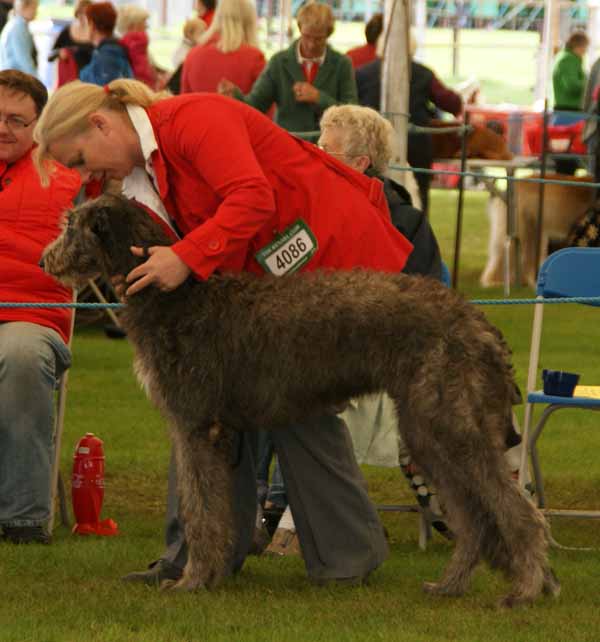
pixel 304 79
pixel 568 76
pixel 568 83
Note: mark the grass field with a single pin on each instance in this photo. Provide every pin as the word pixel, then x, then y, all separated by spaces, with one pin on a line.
pixel 71 591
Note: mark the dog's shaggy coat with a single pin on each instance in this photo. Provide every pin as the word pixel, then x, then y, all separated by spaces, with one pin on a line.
pixel 237 352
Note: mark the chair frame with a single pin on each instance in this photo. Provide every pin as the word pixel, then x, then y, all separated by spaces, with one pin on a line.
pixel 56 480
pixel 532 435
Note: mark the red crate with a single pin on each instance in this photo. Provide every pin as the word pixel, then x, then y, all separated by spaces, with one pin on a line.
pixel 562 139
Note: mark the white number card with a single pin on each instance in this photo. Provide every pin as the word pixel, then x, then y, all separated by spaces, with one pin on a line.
pixel 289 251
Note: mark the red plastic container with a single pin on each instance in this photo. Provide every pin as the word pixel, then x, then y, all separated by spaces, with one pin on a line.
pixel 87 487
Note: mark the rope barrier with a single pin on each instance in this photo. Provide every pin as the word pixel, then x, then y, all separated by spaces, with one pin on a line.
pixel 549 300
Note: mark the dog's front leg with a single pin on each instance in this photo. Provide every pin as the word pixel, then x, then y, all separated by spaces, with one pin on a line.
pixel 204 478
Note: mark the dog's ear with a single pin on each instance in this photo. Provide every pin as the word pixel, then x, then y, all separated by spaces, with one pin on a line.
pixel 101 224
pixel 111 228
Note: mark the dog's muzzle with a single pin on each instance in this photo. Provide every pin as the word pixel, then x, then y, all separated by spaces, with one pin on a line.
pixel 41 263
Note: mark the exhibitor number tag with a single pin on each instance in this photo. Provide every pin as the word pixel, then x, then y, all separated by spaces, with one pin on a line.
pixel 289 251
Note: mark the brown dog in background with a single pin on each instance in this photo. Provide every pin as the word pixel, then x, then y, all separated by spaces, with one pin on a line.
pixel 563 206
pixel 482 142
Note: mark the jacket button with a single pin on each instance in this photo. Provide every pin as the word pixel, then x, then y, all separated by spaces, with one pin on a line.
pixel 214 245
pixel 7 181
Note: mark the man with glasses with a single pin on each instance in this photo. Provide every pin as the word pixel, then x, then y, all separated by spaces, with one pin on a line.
pixel 304 79
pixel 33 341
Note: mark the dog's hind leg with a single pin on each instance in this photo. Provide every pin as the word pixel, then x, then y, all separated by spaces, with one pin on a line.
pixel 204 479
pixel 517 542
pixel 427 449
pixel 466 555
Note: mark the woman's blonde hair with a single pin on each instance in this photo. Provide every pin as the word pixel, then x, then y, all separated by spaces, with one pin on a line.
pixel 235 23
pixel 130 15
pixel 318 15
pixel 363 132
pixel 67 112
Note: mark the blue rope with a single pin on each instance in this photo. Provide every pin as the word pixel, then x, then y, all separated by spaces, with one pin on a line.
pixel 40 304
pixel 573 299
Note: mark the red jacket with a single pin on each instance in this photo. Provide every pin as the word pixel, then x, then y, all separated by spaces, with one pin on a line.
pixel 232 180
pixel 30 218
pixel 206 65
pixel 362 55
pixel 136 45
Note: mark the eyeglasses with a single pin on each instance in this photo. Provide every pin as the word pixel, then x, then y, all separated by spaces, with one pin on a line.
pixel 339 153
pixel 16 124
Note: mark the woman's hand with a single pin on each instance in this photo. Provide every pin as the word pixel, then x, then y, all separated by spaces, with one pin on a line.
pixel 304 92
pixel 163 269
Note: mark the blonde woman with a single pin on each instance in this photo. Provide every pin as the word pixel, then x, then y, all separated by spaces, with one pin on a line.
pixel 193 29
pixel 232 182
pixel 132 24
pixel 228 49
pixel 304 79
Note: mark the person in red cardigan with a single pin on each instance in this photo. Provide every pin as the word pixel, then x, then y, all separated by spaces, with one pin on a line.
pixel 367 53
pixel 228 49
pixel 33 341
pixel 232 184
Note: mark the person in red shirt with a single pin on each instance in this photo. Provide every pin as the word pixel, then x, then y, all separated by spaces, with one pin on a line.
pixel 132 23
pixel 231 183
pixel 206 10
pixel 33 341
pixel 228 49
pixel 367 53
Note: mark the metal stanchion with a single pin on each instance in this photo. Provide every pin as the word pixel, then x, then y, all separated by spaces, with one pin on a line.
pixel 460 204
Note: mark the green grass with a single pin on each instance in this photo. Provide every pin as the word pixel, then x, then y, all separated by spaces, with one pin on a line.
pixel 71 591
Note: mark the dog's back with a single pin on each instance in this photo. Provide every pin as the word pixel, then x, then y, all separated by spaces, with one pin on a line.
pixel 563 205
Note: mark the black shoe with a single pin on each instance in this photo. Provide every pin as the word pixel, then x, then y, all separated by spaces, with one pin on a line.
pixel 155 574
pixel 26 535
pixel 113 331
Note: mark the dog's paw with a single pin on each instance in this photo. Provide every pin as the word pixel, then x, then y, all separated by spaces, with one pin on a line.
pixel 551 585
pixel 438 588
pixel 513 600
pixel 184 585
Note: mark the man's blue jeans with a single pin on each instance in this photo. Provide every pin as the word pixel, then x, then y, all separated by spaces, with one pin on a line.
pixel 32 358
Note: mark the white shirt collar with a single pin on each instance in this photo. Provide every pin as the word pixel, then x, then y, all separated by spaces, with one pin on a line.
pixel 141 184
pixel 143 127
pixel 301 59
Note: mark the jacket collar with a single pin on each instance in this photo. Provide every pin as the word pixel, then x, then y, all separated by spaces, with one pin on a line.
pixel 155 163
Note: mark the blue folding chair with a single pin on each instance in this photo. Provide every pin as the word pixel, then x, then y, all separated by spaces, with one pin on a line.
pixel 446 279
pixel 571 272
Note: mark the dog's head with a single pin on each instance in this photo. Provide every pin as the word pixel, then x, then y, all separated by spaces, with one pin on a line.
pixel 97 239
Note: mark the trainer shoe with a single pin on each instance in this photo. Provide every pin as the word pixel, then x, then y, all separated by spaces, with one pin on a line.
pixel 26 535
pixel 155 574
pixel 285 542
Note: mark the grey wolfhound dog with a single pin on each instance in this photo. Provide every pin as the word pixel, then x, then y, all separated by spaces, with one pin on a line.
pixel 237 352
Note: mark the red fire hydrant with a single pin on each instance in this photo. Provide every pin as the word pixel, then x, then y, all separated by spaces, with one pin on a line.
pixel 87 488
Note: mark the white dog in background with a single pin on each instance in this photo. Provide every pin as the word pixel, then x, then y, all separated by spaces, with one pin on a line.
pixel 563 206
